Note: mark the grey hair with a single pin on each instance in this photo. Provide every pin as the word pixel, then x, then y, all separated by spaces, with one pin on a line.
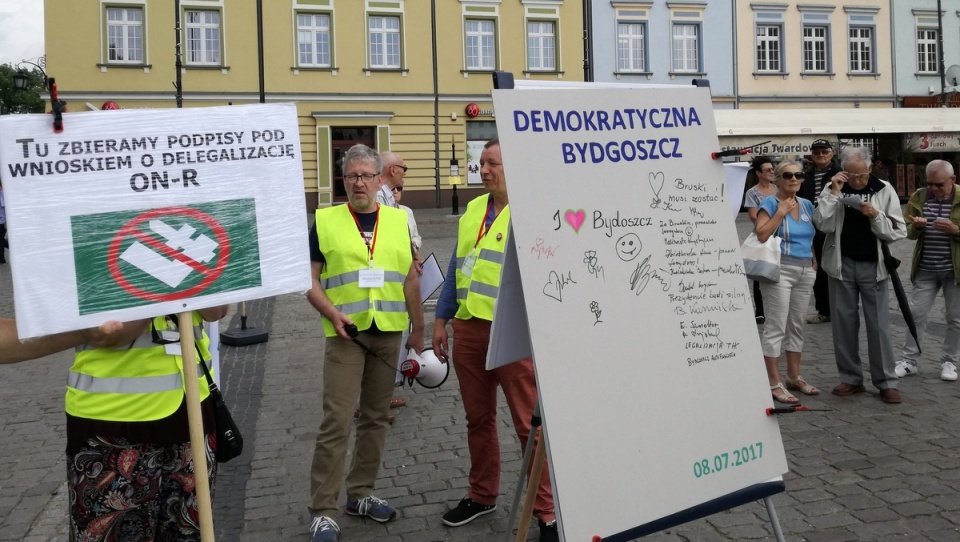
pixel 361 153
pixel 855 154
pixel 939 165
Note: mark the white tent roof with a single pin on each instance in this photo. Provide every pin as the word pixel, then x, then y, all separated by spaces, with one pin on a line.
pixel 749 122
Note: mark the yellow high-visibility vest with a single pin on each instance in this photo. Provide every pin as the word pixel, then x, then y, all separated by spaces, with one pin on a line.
pixel 133 383
pixel 476 293
pixel 346 254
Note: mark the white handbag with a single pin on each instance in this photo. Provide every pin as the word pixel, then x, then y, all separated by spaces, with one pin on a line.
pixel 761 261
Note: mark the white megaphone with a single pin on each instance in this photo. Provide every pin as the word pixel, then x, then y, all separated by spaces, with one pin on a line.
pixel 429 370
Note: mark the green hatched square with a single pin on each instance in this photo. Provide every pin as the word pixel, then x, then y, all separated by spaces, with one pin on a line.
pixel 134 258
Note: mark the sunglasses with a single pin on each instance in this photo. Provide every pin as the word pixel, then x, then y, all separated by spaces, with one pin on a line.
pixel 787 175
pixel 397 189
pixel 403 167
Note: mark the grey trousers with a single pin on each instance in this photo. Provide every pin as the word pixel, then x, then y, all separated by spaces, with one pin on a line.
pixel 860 285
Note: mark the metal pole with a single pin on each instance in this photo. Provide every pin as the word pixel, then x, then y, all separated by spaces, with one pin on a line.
pixel 436 101
pixel 263 96
pixel 179 64
pixel 587 40
pixel 943 76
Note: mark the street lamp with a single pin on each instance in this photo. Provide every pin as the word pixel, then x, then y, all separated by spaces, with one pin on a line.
pixel 21 78
pixel 454 178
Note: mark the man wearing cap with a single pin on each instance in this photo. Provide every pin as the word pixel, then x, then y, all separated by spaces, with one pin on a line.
pixel 466 301
pixel 813 184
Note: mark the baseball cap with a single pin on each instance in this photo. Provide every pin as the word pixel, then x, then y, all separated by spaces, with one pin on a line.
pixel 821 144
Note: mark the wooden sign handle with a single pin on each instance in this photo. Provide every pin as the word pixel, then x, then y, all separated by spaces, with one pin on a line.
pixel 195 418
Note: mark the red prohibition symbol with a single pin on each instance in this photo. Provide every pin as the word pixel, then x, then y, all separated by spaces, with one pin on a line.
pixel 132 229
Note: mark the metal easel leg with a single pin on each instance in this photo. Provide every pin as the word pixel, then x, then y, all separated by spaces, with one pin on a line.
pixel 774 521
pixel 527 455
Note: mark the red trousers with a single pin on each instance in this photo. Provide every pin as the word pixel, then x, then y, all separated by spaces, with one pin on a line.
pixel 478 387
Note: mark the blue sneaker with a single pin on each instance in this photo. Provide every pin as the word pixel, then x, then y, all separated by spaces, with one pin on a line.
pixel 324 529
pixel 371 507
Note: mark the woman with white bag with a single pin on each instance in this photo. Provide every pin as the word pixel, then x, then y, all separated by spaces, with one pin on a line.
pixel 786 301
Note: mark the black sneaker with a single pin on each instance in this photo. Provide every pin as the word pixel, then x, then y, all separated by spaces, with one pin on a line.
pixel 467 511
pixel 549 532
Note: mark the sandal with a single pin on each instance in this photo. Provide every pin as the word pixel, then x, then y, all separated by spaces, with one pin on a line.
pixel 799 384
pixel 784 396
pixel 397 402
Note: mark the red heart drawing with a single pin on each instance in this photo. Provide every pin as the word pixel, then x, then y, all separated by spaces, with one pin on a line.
pixel 575 218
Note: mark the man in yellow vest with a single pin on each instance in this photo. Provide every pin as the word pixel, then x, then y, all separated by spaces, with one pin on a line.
pixel 364 283
pixel 129 460
pixel 473 281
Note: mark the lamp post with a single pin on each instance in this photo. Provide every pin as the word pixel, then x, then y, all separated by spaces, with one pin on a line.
pixel 22 77
pixel 454 178
pixel 943 79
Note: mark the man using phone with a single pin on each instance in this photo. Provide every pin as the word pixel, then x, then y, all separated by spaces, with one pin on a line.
pixel 933 219
pixel 858 212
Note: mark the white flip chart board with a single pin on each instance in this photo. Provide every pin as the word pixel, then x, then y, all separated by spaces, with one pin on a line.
pixel 651 376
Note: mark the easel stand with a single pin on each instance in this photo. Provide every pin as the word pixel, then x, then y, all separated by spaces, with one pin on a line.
pixel 540 457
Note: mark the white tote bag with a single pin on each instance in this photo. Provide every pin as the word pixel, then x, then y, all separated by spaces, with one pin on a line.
pixel 761 261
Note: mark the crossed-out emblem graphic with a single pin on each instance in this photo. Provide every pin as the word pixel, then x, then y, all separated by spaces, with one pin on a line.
pixel 166 246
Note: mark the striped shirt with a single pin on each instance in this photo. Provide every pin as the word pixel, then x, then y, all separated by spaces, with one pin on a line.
pixel 935 251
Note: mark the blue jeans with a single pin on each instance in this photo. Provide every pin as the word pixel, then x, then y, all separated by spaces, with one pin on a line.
pixel 925 287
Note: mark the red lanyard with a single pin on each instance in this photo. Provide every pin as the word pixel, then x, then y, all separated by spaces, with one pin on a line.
pixel 371 246
pixel 483 224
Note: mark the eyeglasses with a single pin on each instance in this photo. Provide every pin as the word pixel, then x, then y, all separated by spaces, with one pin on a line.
pixel 354 177
pixel 821 152
pixel 769 170
pixel 787 175
pixel 397 189
pixel 936 185
pixel 403 167
pixel 856 175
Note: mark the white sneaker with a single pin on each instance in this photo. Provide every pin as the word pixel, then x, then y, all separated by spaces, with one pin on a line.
pixel 949 372
pixel 905 368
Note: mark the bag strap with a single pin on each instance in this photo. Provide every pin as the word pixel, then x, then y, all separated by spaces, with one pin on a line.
pixel 206 372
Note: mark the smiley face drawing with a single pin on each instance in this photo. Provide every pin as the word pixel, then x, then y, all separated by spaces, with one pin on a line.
pixel 628 246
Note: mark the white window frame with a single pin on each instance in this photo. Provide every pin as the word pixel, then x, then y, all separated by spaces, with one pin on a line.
pixel 815 46
pixel 632 46
pixel 315 31
pixel 125 27
pixel 774 58
pixel 538 52
pixel 681 60
pixel 481 61
pixel 206 30
pixel 928 54
pixel 386 62
pixel 860 44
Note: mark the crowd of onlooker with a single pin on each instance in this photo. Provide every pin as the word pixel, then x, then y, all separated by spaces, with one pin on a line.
pixel 835 222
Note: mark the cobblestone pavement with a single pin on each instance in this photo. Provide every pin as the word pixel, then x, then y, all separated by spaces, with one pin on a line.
pixel 863 471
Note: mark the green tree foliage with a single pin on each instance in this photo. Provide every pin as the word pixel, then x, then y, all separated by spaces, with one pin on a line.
pixel 14 100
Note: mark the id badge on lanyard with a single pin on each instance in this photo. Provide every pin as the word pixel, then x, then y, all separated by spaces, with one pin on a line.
pixel 372 277
pixel 468 263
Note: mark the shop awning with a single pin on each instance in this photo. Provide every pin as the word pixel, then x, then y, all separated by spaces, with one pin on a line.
pixel 829 122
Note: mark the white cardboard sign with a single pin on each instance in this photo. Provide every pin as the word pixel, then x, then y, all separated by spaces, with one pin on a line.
pixel 128 214
pixel 648 361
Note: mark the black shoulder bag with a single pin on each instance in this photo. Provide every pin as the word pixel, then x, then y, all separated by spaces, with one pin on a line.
pixel 229 439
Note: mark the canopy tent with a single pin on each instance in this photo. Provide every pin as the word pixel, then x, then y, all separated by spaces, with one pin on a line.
pixel 817 122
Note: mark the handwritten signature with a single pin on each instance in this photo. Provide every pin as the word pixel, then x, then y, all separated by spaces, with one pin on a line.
pixel 641 276
pixel 541 250
pixel 556 283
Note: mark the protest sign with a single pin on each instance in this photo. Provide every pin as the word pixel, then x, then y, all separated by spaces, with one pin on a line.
pixel 128 214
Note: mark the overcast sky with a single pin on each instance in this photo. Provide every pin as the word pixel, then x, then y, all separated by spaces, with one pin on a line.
pixel 21 30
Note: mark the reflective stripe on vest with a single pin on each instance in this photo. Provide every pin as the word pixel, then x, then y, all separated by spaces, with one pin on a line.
pixel 352 277
pixel 477 293
pixel 144 384
pixel 144 340
pixel 346 253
